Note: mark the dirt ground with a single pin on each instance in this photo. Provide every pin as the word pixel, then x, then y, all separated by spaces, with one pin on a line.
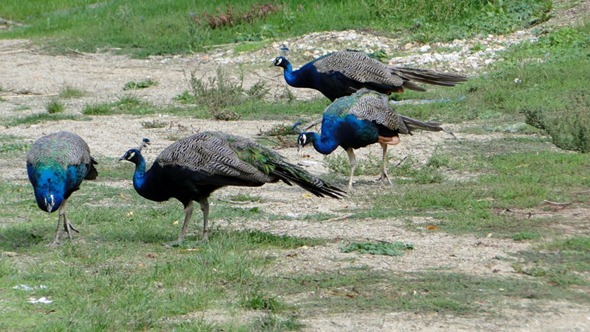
pixel 29 78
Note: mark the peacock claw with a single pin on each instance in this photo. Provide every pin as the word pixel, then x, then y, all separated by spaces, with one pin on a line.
pixel 70 226
pixel 383 179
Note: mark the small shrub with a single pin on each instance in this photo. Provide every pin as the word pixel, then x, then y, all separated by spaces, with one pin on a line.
pixel 153 124
pixel 522 236
pixel 55 106
pixel 97 109
pixel 71 92
pixel 279 130
pixel 378 248
pixel 133 85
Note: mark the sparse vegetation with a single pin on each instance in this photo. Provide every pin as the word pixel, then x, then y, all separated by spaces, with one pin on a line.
pixel 496 188
pixel 70 92
pixel 378 248
pixel 133 85
pixel 55 106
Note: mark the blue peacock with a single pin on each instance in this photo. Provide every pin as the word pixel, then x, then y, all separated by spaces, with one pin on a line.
pixel 342 73
pixel 363 118
pixel 56 165
pixel 192 168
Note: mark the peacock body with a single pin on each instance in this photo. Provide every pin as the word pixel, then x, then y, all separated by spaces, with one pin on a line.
pixel 56 165
pixel 192 168
pixel 342 73
pixel 363 118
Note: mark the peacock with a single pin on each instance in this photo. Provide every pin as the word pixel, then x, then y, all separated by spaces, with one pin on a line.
pixel 57 164
pixel 342 73
pixel 193 167
pixel 358 120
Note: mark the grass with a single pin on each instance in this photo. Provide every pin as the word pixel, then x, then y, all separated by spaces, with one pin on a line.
pixel 55 106
pixel 114 271
pixel 182 27
pixel 379 248
pixel 70 92
pixel 41 117
pixel 143 84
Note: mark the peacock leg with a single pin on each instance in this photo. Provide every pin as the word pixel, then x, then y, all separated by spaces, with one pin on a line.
pixel 352 162
pixel 58 230
pixel 205 208
pixel 384 177
pixel 188 211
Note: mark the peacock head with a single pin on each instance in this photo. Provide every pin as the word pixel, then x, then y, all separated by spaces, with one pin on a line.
pixel 132 155
pixel 48 197
pixel 280 61
pixel 303 139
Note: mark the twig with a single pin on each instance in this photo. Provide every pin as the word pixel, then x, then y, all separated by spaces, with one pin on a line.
pixel 342 217
pixel 557 203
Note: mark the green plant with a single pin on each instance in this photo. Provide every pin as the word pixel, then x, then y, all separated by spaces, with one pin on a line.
pixel 55 106
pixel 71 92
pixel 154 124
pixel 140 84
pixel 378 248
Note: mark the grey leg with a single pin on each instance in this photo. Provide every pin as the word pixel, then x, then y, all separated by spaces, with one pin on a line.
pixel 352 162
pixel 204 202
pixel 188 211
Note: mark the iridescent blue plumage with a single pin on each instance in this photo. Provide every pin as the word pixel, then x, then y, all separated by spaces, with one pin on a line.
pixel 193 167
pixel 342 73
pixel 56 165
pixel 363 118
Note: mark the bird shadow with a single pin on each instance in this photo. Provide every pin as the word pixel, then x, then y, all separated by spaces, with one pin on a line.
pixel 16 237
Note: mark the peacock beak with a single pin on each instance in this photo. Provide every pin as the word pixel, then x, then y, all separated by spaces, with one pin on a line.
pixel 49 204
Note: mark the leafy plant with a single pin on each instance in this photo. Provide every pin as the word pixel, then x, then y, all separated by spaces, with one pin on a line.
pixel 140 84
pixel 378 248
pixel 55 106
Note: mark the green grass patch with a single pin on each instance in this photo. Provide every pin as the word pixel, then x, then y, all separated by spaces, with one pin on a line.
pixel 143 84
pixel 70 92
pixel 378 248
pixel 359 290
pixel 55 106
pixel 182 27
pixel 42 117
pixel 561 263
pixel 504 174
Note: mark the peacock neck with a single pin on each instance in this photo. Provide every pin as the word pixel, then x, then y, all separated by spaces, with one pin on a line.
pixel 293 78
pixel 139 177
pixel 324 144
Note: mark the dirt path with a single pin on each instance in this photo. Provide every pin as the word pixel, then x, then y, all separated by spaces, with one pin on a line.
pixel 29 79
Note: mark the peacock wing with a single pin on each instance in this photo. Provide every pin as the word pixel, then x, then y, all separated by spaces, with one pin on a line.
pixel 214 157
pixel 358 66
pixel 374 106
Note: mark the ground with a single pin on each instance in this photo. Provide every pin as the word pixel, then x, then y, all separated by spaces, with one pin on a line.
pixel 31 78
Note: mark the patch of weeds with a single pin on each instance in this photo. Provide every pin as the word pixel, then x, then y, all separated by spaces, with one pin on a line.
pixel 560 263
pixel 42 117
pixel 219 93
pixel 280 241
pixel 231 16
pixel 97 109
pixel 256 300
pixel 154 124
pixel 70 92
pixel 55 106
pixel 273 322
pixel 378 248
pixel 523 236
pixel 185 98
pixel 279 130
pixel 245 198
pixel 134 85
pixel 12 147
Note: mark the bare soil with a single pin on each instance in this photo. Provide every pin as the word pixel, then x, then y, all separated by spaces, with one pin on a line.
pixel 30 78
